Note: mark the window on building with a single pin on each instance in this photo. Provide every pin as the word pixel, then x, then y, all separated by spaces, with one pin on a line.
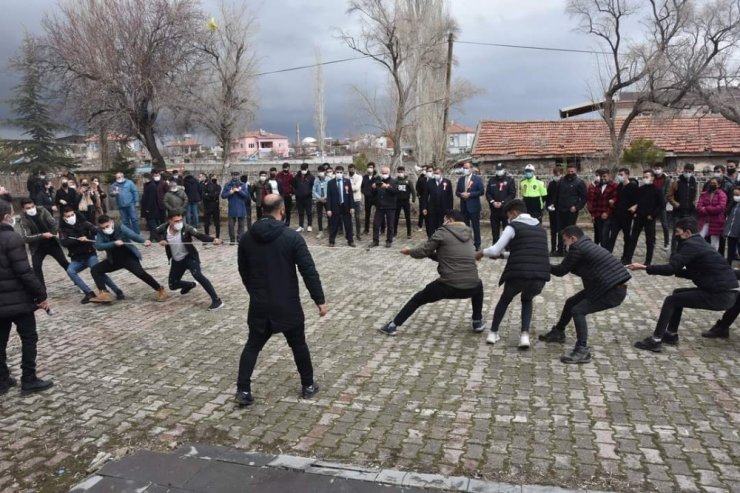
pixel 251 146
pixel 266 145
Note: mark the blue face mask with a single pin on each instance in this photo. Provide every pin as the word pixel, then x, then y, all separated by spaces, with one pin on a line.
pixel 528 174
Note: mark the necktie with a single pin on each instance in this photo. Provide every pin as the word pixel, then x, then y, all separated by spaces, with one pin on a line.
pixel 341 194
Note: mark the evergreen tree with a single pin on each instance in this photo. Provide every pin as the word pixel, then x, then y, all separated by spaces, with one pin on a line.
pixel 40 149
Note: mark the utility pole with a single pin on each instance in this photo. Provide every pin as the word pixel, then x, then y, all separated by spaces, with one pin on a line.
pixel 446 116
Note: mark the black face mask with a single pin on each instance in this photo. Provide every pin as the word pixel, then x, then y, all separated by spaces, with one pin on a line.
pixel 731 171
pixel 712 188
pixel 213 181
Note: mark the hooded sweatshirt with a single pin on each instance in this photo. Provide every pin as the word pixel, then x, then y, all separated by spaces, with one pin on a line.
pixel 452 247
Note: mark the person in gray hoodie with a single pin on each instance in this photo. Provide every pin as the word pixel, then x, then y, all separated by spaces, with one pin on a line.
pixel 451 246
pixel 527 269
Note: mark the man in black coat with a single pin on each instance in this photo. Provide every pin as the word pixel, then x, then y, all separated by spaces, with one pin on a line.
pixel 340 208
pixel 571 198
pixel 150 210
pixel 438 198
pixel 425 174
pixel 386 192
pixel 268 256
pixel 21 294
pixel 622 215
pixel 716 285
pixel 211 207
pixel 501 190
pixel 604 286
pixel 647 209
pixel 368 192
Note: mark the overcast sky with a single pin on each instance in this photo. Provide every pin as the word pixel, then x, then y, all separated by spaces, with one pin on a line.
pixel 518 84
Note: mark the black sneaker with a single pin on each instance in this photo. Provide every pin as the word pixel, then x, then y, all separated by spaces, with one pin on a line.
pixel 650 344
pixel 578 356
pixel 374 244
pixel 35 385
pixel 717 332
pixel 87 298
pixel 244 399
pixel 187 289
pixel 478 326
pixel 216 304
pixel 5 386
pixel 120 296
pixel 670 339
pixel 388 330
pixel 310 391
pixel 555 335
pixel 388 244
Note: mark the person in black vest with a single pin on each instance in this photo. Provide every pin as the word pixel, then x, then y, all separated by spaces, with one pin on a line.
pixel 268 256
pixel 649 204
pixel 604 286
pixel 340 206
pixel 527 269
pixel 501 190
pixel 406 195
pixel 21 294
pixel 716 284
pixel 437 200
pixel 368 192
pixel 622 216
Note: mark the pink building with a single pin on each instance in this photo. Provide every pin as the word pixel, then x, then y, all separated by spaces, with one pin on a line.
pixel 259 144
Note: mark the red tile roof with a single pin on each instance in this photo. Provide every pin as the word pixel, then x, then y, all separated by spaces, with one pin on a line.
pixel 261 134
pixel 710 134
pixel 456 128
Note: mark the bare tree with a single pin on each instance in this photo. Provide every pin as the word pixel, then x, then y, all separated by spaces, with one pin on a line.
pixel 127 59
pixel 319 119
pixel 391 35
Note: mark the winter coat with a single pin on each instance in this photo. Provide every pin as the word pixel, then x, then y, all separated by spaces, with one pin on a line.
pixel 500 189
pixel 732 224
pixel 285 178
pixel 211 195
pixel 303 185
pixel 237 200
pixel 650 202
pixel 149 202
pixel 186 236
pixel 711 209
pixel 125 193
pixel 267 258
pixel 626 198
pixel 67 198
pixel 193 189
pixel 695 259
pixel 451 246
pixel 44 199
pixel 30 231
pixel 599 270
pixel 682 195
pixel 385 198
pixel 120 232
pixel 20 289
pixel 78 250
pixel 571 193
pixel 598 199
pixel 175 202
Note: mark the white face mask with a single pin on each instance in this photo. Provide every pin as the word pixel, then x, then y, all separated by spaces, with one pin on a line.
pixel 304 171
pixel 466 171
pixel 430 174
pixel 647 181
pixel 178 226
pixel 718 175
pixel 321 174
pixel 174 189
pixel 72 186
pixel 402 175
pixel 736 198
pixel 339 176
pixel 385 177
pixel 157 178
pixel 31 212
pixel 12 221
pixel 119 180
pixel 437 177
pixel 500 172
pixel 108 230
pixel 71 220
pixel 263 178
pixel 331 175
pixel 370 171
pixel 687 175
pixel 658 171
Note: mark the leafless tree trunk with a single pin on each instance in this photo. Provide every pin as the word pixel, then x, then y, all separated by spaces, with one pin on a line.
pixel 319 105
pixel 128 58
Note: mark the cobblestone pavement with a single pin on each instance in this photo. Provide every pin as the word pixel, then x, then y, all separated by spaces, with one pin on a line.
pixel 436 399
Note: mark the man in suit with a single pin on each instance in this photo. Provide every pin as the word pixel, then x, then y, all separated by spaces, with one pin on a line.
pixel 270 250
pixel 437 200
pixel 340 206
pixel 469 190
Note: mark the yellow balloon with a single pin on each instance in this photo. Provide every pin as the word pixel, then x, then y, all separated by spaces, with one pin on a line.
pixel 212 25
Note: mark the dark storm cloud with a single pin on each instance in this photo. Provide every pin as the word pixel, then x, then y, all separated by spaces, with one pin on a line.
pixel 518 84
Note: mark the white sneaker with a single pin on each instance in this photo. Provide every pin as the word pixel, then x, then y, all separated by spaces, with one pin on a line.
pixel 524 340
pixel 299 230
pixel 492 338
pixel 309 229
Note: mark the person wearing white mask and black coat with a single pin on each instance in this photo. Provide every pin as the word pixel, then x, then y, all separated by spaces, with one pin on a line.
pixel 66 196
pixel 386 192
pixel 41 232
pixel 21 294
pixel 425 174
pixel 368 192
pixel 501 190
pixel 437 199
pixel 340 206
pixel 647 209
pixel 406 195
pixel 303 188
pixel 177 238
pixel 732 226
pixel 622 215
pixel 150 210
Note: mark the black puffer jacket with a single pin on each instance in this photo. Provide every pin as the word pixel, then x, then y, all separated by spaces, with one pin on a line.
pixel 599 269
pixel 78 250
pixel 20 289
pixel 695 259
pixel 268 256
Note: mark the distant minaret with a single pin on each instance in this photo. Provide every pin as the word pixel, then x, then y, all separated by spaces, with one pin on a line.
pixel 297 134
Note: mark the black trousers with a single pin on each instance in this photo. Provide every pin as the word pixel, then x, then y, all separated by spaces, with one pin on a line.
pixel 499 221
pixel 189 263
pixel 729 317
pixel 384 217
pixel 619 224
pixel 472 219
pixel 152 222
pixel 345 220
pixel 305 208
pixel 528 290
pixel 638 225
pixel 235 236
pixel 257 339
pixel 665 224
pixel 212 215
pixel 552 216
pixel 564 219
pixel 127 262
pixel 732 243
pixel 48 248
pixel 357 206
pixel 437 290
pixel 288 199
pixel 434 221
pixel 579 305
pixel 406 208
pixel 320 211
pixel 369 204
pixel 25 325
pixel 422 217
pixel 602 228
pixel 673 305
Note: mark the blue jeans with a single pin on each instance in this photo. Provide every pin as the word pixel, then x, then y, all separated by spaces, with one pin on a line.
pixel 128 217
pixel 77 266
pixel 191 214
